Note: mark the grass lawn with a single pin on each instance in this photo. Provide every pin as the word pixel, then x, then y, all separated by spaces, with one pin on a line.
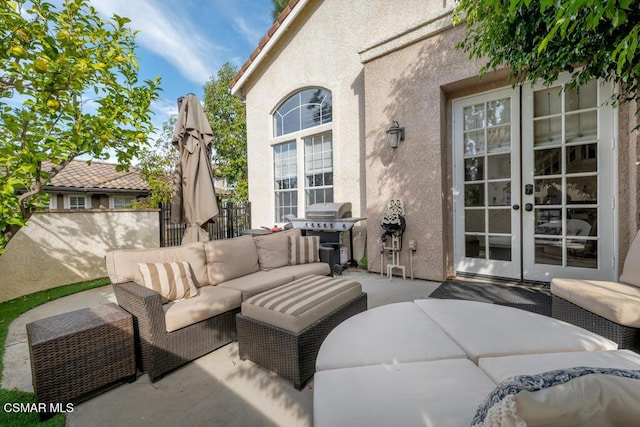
pixel 8 312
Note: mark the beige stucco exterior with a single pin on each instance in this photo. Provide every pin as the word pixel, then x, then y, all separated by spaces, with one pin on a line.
pixel 382 63
pixel 60 248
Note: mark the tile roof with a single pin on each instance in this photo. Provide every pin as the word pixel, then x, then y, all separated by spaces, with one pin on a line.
pixel 274 28
pixel 80 175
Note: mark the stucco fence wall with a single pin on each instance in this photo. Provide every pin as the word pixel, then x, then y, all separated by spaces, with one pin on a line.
pixel 62 247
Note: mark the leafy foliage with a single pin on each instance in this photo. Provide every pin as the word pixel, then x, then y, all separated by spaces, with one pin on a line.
pixel 68 87
pixel 157 164
pixel 228 120
pixel 278 7
pixel 539 39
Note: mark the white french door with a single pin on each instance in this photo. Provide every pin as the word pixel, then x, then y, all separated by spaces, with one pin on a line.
pixel 534 183
pixel 487 183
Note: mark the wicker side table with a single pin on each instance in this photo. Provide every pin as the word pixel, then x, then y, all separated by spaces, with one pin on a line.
pixel 79 352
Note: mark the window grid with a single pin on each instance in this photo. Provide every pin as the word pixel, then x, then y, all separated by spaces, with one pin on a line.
pixel 303 110
pixel 123 202
pixel 318 154
pixel 285 180
pixel 77 202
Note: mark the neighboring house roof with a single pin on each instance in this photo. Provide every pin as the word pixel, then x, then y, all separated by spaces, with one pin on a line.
pixel 267 42
pixel 80 175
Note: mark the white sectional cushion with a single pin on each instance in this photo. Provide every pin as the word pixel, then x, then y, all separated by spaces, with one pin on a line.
pixel 614 301
pixel 436 393
pixel 389 334
pixel 580 396
pixel 501 368
pixel 229 259
pixel 211 301
pixel 257 282
pixel 301 270
pixel 484 330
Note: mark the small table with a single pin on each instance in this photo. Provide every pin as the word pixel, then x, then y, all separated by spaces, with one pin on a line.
pixel 79 352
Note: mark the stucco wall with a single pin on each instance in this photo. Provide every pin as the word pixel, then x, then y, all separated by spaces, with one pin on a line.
pixel 60 248
pixel 321 49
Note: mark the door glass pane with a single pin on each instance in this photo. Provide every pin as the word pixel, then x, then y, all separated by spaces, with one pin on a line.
pixel 499 112
pixel 547 162
pixel 474 195
pixel 582 97
pixel 582 253
pixel 500 248
pixel 474 169
pixel 499 166
pixel 547 102
pixel 548 222
pixel 499 193
pixel 588 225
pixel 474 220
pixel 582 189
pixel 582 158
pixel 547 191
pixel 547 131
pixel 474 117
pixel 548 251
pixel 474 143
pixel 474 246
pixel 500 221
pixel 581 127
pixel 499 139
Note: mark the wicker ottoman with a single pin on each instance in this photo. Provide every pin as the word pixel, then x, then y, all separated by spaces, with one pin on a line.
pixel 73 354
pixel 282 329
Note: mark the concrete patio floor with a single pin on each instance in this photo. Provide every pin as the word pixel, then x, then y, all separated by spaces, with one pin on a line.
pixel 217 389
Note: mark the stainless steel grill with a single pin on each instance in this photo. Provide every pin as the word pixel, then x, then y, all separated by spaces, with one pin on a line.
pixel 328 221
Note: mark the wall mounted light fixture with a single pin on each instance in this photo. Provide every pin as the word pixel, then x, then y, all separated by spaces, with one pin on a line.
pixel 395 134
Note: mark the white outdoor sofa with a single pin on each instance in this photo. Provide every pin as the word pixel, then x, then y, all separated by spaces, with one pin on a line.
pixel 454 363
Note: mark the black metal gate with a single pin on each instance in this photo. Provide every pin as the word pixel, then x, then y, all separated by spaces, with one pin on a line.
pixel 232 220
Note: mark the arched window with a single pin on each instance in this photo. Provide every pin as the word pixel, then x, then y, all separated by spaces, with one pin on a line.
pixel 307 108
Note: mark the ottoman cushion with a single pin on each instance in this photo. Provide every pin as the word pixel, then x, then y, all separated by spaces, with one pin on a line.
pixel 389 334
pixel 435 393
pixel 298 304
pixel 484 330
pixel 501 368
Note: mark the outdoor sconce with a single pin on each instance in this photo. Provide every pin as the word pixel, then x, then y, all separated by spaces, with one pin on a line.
pixel 395 134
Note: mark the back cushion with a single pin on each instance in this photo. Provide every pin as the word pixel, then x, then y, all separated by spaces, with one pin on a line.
pixel 230 258
pixel 631 270
pixel 122 264
pixel 273 249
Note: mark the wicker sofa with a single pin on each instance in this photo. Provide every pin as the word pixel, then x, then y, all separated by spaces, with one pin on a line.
pixel 611 309
pixel 225 272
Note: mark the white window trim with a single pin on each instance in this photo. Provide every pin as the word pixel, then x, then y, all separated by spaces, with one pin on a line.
pixel 67 200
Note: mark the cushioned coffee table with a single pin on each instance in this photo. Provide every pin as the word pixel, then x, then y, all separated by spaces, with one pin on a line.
pixel 282 329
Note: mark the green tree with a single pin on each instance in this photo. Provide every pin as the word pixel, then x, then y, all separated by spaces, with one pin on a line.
pixel 157 164
pixel 227 117
pixel 539 39
pixel 278 7
pixel 68 87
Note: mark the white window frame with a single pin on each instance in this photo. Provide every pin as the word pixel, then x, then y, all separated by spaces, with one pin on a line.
pixel 112 200
pixel 67 201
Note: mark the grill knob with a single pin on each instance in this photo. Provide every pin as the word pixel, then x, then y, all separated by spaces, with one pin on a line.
pixel 331 225
pixel 306 225
pixel 344 225
pixel 325 225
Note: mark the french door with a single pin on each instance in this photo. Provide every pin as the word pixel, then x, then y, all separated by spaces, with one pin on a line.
pixel 534 183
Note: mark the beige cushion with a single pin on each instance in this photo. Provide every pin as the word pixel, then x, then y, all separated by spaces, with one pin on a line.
pixel 273 249
pixel 230 258
pixel 436 393
pixel 615 301
pixel 501 368
pixel 389 334
pixel 484 330
pixel 301 270
pixel 254 283
pixel 302 302
pixel 211 301
pixel 304 249
pixel 122 264
pixel 172 280
pixel 631 269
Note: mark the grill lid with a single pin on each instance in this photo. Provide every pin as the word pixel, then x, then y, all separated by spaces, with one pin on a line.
pixel 329 210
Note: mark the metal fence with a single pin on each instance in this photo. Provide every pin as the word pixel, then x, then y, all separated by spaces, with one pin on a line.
pixel 232 220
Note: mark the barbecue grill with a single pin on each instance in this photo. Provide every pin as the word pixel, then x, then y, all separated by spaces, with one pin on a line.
pixel 329 221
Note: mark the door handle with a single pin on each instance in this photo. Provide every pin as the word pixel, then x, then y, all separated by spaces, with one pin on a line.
pixel 528 207
pixel 516 207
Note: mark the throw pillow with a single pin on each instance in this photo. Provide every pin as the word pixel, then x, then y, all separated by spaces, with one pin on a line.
pixel 573 396
pixel 304 249
pixel 172 280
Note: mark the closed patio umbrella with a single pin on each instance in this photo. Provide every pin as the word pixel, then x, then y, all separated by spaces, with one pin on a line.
pixel 194 198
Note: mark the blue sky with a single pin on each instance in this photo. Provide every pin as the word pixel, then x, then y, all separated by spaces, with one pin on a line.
pixel 185 42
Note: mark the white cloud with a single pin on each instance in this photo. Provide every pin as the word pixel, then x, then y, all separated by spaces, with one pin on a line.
pixel 167 32
pixel 248 31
